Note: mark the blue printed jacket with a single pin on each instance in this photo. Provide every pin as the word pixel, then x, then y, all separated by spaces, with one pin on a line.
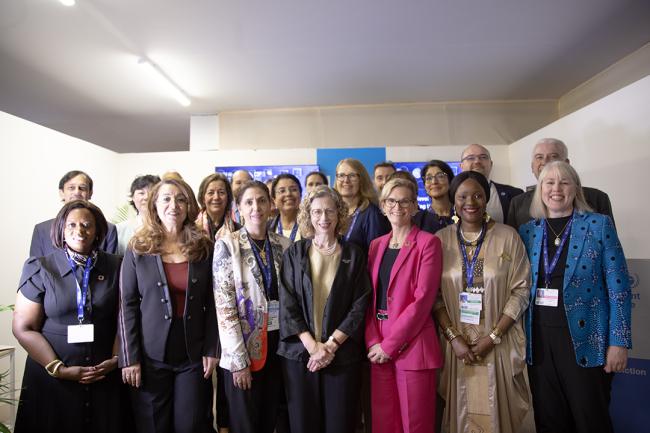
pixel 596 290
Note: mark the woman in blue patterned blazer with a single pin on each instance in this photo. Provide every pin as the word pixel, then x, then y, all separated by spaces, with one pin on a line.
pixel 578 325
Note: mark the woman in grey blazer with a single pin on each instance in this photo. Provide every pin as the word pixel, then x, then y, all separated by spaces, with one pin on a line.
pixel 167 321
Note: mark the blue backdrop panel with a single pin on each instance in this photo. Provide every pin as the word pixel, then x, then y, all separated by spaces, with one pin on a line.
pixel 328 158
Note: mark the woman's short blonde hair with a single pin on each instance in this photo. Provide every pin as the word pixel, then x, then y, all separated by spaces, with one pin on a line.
pixel 367 191
pixel 149 238
pixel 562 170
pixel 304 215
pixel 396 182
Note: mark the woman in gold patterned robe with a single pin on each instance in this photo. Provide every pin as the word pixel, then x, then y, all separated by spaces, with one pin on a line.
pixel 484 292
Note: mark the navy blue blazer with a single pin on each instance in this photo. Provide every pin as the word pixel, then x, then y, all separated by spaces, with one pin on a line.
pixel 506 194
pixel 596 289
pixel 370 224
pixel 41 245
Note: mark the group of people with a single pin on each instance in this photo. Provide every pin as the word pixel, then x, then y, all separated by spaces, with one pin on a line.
pixel 315 310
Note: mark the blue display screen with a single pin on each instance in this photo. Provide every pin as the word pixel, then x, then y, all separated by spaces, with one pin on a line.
pixel 266 172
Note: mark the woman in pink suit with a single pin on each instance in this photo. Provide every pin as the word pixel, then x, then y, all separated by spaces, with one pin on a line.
pixel 403 348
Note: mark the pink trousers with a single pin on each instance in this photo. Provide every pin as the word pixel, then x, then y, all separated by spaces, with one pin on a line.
pixel 403 401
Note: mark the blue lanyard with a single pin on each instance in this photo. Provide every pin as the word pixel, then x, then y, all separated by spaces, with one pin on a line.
pixel 548 270
pixel 82 291
pixel 352 223
pixel 267 268
pixel 294 230
pixel 469 267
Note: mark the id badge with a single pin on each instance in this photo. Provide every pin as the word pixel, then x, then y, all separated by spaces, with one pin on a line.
pixel 274 316
pixel 546 297
pixel 471 305
pixel 81 333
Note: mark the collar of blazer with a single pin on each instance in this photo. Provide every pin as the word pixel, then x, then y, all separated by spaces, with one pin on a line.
pixel 405 251
pixel 579 230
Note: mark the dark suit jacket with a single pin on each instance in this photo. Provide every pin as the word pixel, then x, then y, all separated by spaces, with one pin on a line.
pixel 506 194
pixel 145 314
pixel 41 245
pixel 519 212
pixel 345 309
pixel 370 224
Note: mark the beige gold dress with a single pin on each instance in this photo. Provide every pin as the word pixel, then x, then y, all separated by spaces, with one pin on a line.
pixel 491 395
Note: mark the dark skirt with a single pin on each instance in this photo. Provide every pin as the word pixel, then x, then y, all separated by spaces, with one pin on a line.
pixel 48 404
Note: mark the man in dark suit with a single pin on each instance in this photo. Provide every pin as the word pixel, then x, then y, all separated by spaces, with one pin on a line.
pixel 74 185
pixel 477 158
pixel 545 151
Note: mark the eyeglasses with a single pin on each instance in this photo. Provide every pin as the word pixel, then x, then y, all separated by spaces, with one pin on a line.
pixel 350 176
pixel 483 157
pixel 404 203
pixel 317 213
pixel 440 177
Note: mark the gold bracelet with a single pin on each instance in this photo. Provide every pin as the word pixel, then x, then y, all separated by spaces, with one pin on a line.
pixel 450 333
pixel 53 367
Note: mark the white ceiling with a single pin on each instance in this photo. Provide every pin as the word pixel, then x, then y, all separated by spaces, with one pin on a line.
pixel 74 69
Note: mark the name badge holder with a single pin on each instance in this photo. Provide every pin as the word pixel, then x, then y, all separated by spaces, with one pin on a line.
pixel 81 333
pixel 471 300
pixel 544 296
pixel 353 221
pixel 294 230
pixel 274 316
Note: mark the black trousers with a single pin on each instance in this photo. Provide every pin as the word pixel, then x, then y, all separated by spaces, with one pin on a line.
pixel 172 399
pixel 223 418
pixel 261 409
pixel 326 401
pixel 567 398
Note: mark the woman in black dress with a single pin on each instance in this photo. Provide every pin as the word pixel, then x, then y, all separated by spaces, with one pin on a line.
pixel 66 318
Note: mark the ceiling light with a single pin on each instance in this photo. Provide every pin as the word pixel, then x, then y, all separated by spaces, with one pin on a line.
pixel 164 81
pixel 67 2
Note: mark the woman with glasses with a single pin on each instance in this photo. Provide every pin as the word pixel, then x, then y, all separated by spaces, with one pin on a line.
pixel 356 188
pixel 323 298
pixel 167 322
pixel 437 176
pixel 423 219
pixel 485 288
pixel 401 337
pixel 286 192
pixel 246 268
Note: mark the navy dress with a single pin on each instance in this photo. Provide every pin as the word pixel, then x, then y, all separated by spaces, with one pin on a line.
pixel 369 224
pixel 48 404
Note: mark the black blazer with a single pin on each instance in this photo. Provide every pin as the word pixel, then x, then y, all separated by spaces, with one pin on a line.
pixel 519 212
pixel 41 245
pixel 345 309
pixel 506 194
pixel 145 314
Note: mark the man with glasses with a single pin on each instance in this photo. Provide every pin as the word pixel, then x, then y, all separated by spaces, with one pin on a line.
pixel 382 172
pixel 477 158
pixel 547 150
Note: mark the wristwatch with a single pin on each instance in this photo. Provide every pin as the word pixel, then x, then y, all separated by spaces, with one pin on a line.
pixel 334 340
pixel 495 335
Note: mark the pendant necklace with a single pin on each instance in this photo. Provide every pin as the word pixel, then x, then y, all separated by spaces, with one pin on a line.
pixel 557 240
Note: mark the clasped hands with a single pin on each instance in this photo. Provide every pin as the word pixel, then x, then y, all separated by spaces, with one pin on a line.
pixel 320 357
pixel 87 375
pixel 472 352
pixel 376 354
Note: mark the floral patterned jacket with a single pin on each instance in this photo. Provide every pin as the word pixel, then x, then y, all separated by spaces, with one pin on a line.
pixel 242 310
pixel 596 292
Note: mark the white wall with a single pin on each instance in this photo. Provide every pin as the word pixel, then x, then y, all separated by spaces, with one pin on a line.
pixel 33 160
pixel 609 145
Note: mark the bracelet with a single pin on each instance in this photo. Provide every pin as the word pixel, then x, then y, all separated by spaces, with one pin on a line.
pixel 334 340
pixel 450 333
pixel 53 367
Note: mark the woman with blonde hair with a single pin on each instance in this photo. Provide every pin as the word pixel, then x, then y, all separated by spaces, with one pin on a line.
pixel 356 188
pixel 167 322
pixel 578 328
pixel 323 296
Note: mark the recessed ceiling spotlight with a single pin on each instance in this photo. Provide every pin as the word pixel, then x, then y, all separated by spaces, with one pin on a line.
pixel 67 2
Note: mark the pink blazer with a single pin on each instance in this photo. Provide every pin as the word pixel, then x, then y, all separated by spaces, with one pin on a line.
pixel 409 334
